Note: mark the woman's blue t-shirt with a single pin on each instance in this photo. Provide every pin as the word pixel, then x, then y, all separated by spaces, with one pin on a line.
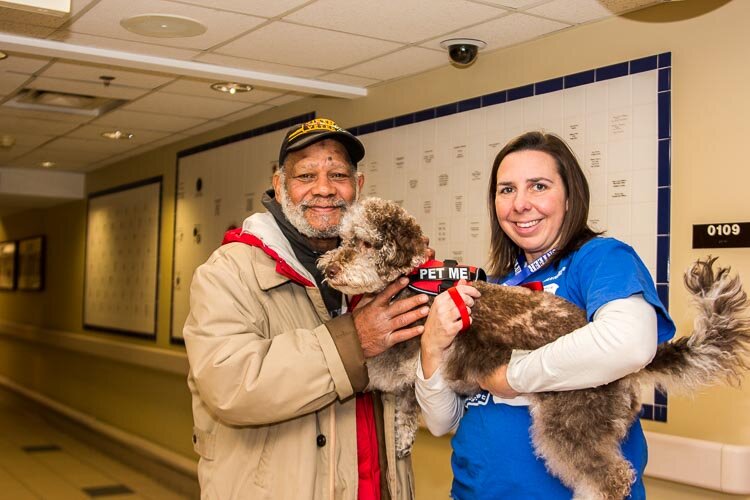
pixel 492 453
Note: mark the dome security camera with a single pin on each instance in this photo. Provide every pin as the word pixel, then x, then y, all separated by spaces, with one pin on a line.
pixel 462 51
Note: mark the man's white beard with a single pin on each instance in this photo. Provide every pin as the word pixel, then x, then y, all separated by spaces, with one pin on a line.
pixel 295 214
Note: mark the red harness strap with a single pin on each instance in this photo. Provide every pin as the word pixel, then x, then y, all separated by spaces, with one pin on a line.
pixel 465 320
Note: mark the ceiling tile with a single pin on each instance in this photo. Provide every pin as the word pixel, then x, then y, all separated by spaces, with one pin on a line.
pixel 582 11
pixel 180 105
pixel 251 111
pixel 102 42
pixel 10 82
pixel 396 20
pixel 92 72
pixel 21 125
pixel 262 8
pixel 202 88
pixel 345 79
pixel 508 30
pixel 75 144
pixel 27 17
pixel 286 99
pixel 24 29
pixel 205 127
pixel 29 140
pixel 401 63
pixel 300 45
pixel 63 159
pixel 22 63
pixel 140 136
pixel 104 20
pixel 113 91
pixel 123 119
pixel 263 66
pixel 44 115
pixel 514 4
pixel 8 155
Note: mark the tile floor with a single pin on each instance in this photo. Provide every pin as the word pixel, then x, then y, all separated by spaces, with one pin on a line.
pixel 39 462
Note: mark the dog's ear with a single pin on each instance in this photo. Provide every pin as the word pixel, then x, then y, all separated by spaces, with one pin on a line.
pixel 402 236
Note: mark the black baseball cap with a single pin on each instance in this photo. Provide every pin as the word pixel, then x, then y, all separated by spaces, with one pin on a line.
pixel 304 134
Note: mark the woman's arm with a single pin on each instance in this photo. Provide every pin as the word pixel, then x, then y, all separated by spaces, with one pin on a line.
pixel 441 407
pixel 620 340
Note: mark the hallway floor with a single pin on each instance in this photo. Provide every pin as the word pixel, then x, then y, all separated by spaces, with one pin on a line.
pixel 38 461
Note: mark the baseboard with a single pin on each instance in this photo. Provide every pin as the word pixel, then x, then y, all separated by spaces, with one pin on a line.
pixel 165 466
pixel 706 464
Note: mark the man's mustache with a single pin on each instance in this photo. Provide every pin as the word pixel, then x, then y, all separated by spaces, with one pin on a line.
pixel 320 204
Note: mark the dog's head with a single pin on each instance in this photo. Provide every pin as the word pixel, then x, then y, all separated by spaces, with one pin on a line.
pixel 379 243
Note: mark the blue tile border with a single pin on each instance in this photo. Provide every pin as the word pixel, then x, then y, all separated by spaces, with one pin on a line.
pixel 521 92
pixel 548 86
pixel 665 59
pixel 613 71
pixel 661 62
pixel 578 79
pixel 643 64
pixel 665 114
pixel 665 79
pixel 446 109
pixel 665 162
pixel 495 98
pixel 663 223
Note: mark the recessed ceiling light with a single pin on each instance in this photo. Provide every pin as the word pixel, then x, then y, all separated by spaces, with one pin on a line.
pixel 47 164
pixel 118 135
pixel 231 87
pixel 3 55
pixel 163 26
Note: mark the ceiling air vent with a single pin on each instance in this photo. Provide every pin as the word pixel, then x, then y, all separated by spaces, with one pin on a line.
pixel 60 102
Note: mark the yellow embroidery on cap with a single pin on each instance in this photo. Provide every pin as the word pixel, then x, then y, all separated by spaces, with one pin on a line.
pixel 316 125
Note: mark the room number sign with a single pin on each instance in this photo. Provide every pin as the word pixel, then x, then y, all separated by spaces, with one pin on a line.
pixel 721 235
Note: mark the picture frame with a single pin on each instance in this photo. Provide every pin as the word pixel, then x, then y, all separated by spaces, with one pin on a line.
pixel 8 256
pixel 31 258
pixel 121 273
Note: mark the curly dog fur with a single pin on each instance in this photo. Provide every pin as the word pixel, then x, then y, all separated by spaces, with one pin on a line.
pixel 381 242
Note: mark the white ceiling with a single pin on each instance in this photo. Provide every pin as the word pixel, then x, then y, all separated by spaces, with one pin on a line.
pixel 359 43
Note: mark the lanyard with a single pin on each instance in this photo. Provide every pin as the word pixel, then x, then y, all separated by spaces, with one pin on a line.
pixel 523 270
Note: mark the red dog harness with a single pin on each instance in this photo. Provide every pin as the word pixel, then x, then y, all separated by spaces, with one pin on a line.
pixel 434 277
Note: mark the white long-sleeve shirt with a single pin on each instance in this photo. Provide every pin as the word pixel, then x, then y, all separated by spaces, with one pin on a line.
pixel 620 340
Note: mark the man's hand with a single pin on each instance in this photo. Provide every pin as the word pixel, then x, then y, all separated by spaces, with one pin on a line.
pixel 381 324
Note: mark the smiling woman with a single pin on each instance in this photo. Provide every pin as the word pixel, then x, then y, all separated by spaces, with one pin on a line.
pixel 539 201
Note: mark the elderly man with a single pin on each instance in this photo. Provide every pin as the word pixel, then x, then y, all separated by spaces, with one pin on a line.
pixel 277 368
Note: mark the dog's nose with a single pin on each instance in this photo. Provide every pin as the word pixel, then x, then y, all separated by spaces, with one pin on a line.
pixel 332 271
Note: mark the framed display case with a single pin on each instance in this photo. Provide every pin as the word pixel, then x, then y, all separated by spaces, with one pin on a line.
pixel 8 265
pixel 31 264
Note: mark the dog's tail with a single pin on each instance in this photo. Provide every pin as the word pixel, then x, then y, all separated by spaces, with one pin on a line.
pixel 717 349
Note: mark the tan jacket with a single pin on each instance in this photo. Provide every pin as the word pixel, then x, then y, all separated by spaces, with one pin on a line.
pixel 273 401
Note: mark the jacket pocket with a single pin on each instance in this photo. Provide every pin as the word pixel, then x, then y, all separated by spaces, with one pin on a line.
pixel 266 457
pixel 204 443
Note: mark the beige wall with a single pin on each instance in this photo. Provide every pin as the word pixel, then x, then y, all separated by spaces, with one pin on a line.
pixel 710 74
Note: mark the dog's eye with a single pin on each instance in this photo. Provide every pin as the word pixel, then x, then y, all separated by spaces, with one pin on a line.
pixel 366 244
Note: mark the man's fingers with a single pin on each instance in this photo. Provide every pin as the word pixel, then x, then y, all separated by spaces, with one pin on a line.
pixel 407 304
pixel 405 334
pixel 407 318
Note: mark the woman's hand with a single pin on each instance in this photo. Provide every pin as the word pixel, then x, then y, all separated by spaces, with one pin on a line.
pixel 442 325
pixel 497 384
